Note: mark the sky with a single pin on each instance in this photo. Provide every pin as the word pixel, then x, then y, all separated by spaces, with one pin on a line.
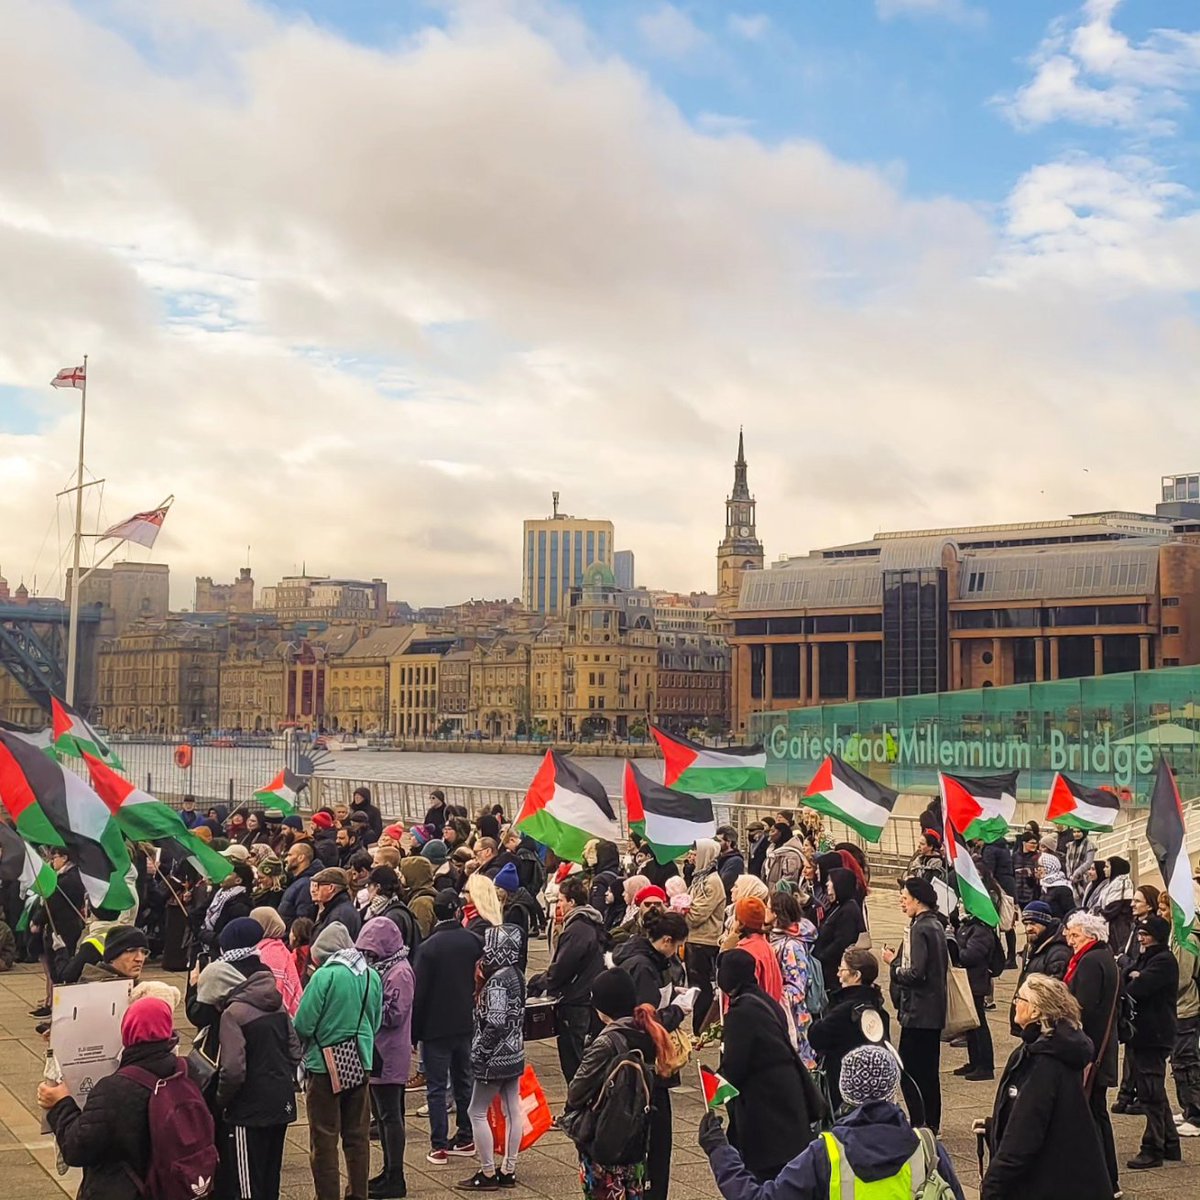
pixel 362 283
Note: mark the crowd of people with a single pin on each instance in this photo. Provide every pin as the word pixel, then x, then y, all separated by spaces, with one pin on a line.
pixel 356 961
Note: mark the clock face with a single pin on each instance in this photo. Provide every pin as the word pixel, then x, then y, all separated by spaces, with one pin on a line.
pixel 744 530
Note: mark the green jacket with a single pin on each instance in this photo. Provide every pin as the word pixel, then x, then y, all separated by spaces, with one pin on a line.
pixel 329 1012
pixel 1188 1003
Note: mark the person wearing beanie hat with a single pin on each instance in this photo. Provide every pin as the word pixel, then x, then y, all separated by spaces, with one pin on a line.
pixel 750 917
pixel 294 822
pixel 321 819
pixel 918 989
pixel 334 905
pixel 519 908
pixel 113 1143
pixel 443 1022
pixel 384 900
pixel 230 901
pixel 507 879
pixel 1046 950
pixel 436 851
pixel 125 952
pixel 651 894
pixel 770 1120
pixel 873 1144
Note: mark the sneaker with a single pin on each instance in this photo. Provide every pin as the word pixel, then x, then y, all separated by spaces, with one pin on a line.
pixel 423 1111
pixel 439 1158
pixel 462 1149
pixel 42 1010
pixel 416 1082
pixel 1144 1162
pixel 989 1005
pixel 1187 1129
pixel 506 1179
pixel 977 1076
pixel 479 1182
pixel 965 1069
pixel 1178 1118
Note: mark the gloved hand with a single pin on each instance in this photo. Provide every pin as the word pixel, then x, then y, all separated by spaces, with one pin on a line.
pixel 711 1135
pixel 685 1000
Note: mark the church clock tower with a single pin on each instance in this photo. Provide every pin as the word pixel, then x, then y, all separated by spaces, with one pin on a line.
pixel 740 550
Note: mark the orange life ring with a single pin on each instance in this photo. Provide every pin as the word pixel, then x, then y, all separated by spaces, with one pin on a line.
pixel 183 757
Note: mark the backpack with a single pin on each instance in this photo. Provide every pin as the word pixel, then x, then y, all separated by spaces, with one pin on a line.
pixel 1007 909
pixel 537 870
pixel 405 920
pixel 816 998
pixel 614 1129
pixel 934 1187
pixel 997 959
pixel 183 1152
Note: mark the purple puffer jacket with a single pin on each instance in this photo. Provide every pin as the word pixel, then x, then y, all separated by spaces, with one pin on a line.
pixel 380 939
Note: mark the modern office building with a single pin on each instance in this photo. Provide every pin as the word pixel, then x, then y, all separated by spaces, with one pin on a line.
pixel 623 569
pixel 920 612
pixel 556 553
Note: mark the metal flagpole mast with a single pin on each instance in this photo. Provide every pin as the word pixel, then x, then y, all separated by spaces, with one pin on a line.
pixel 73 634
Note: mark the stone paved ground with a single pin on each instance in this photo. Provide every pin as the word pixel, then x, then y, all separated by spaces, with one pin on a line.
pixel 548 1170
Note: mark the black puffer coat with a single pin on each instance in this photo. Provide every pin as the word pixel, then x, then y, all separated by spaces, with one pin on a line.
pixel 838 1032
pixel 1095 984
pixel 111 1136
pixel 975 942
pixel 652 972
pixel 1043 1140
pixel 841 927
pixel 1153 983
pixel 919 976
pixel 998 859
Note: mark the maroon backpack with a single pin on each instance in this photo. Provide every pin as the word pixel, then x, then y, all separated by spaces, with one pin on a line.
pixel 183 1152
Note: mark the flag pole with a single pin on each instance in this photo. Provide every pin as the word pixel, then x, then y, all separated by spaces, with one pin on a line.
pixel 73 633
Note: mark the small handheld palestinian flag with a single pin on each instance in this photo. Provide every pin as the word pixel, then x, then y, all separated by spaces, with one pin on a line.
pixel 716 1088
pixel 74 736
pixel 282 792
pixel 669 820
pixel 1167 834
pixel 1080 807
pixel 981 806
pixel 708 771
pixel 143 818
pixel 841 792
pixel 20 863
pixel 967 880
pixel 565 808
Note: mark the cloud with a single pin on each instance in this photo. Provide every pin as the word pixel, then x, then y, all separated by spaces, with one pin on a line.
pixel 1090 73
pixel 958 11
pixel 670 33
pixel 750 26
pixel 367 307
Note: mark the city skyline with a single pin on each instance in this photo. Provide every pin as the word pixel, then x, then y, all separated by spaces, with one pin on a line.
pixel 935 255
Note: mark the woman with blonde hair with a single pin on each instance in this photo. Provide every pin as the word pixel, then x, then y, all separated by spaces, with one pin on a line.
pixel 1043 1140
pixel 483 908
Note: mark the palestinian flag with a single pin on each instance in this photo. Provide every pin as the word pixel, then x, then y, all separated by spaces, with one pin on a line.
pixel 981 806
pixel 669 820
pixel 282 792
pixel 43 739
pixel 43 796
pixel 967 880
pixel 73 735
pixel 716 1088
pixel 1081 807
pixel 1167 835
pixel 21 863
pixel 704 770
pixel 841 792
pixel 142 818
pixel 565 808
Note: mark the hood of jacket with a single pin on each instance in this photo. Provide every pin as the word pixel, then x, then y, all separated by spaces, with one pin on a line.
pixel 217 980
pixel 416 873
pixel 259 991
pixel 501 948
pixel 330 940
pixel 585 912
pixel 380 937
pixel 608 857
pixel 1070 1046
pixel 877 1139
pixel 1049 932
pixel 845 886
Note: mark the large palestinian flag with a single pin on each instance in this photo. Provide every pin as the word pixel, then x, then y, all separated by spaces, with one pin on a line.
pixel 966 878
pixel 841 792
pixel 43 739
pixel 74 736
pixel 44 798
pixel 1167 835
pixel 1081 807
pixel 565 808
pixel 982 807
pixel 142 818
pixel 668 819
pixel 20 863
pixel 707 771
pixel 282 792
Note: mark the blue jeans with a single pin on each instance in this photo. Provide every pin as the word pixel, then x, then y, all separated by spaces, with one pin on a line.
pixel 448 1065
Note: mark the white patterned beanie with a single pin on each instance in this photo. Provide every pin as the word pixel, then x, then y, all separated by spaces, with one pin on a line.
pixel 869 1073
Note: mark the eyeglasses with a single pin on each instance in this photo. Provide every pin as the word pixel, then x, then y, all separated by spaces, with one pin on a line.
pixel 1023 999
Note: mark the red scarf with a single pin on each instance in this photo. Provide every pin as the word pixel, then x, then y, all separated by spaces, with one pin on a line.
pixel 1074 963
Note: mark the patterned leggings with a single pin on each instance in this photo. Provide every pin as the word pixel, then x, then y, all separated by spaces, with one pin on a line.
pixel 612 1183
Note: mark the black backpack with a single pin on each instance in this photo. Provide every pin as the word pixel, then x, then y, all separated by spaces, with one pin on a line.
pixel 614 1129
pixel 997 959
pixel 531 871
pixel 405 920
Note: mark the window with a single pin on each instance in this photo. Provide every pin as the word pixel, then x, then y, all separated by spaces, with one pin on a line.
pixel 1170 602
pixel 1170 630
pixel 1170 662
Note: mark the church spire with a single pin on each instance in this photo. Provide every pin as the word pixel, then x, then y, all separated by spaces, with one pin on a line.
pixel 741 489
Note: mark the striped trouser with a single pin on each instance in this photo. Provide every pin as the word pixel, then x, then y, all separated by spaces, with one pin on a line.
pixel 251 1161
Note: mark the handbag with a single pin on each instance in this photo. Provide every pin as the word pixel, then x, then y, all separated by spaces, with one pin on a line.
pixel 343 1060
pixel 961 1016
pixel 204 1065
